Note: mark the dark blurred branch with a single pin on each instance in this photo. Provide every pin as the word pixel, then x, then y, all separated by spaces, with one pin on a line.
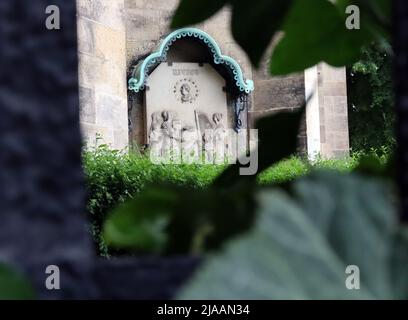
pixel 400 19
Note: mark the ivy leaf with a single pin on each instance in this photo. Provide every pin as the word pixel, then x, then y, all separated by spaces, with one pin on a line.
pixel 301 245
pixel 315 31
pixel 13 286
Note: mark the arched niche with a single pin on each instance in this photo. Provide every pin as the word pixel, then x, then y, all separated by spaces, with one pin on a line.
pixel 189 59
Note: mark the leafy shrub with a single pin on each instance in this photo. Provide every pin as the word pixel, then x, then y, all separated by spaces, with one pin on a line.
pixel 296 167
pixel 113 177
pixel 371 99
pixel 14 285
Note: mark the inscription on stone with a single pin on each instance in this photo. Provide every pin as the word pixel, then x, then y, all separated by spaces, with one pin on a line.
pixel 185 72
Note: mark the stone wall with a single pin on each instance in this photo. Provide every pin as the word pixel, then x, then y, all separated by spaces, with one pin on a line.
pixel 102 72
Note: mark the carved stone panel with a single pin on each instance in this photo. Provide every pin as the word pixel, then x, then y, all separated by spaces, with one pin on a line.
pixel 182 101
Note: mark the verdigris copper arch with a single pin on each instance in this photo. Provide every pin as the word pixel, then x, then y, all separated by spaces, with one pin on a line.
pixel 140 74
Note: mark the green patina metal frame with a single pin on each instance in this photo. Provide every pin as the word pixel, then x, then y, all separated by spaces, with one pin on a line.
pixel 140 74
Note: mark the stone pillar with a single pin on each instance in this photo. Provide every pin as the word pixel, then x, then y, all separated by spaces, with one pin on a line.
pixel 326 115
pixel 102 72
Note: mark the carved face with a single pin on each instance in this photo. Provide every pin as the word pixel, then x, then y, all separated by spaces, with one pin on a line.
pixel 185 90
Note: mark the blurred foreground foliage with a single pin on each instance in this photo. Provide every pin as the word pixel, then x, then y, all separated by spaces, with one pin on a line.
pixel 313 30
pixel 13 286
pixel 291 239
pixel 302 243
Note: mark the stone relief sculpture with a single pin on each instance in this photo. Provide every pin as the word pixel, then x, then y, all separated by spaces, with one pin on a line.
pixel 170 140
pixel 176 141
pixel 219 139
pixel 155 136
pixel 166 129
pixel 208 146
pixel 171 130
pixel 213 137
pixel 189 145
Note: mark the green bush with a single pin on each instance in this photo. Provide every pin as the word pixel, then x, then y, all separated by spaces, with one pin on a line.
pixel 296 167
pixel 371 99
pixel 114 176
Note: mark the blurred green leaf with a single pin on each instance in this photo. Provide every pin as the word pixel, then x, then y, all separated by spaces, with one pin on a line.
pixel 140 223
pixel 375 15
pixel 371 165
pixel 173 219
pixel 191 12
pixel 315 31
pixel 13 286
pixel 301 246
pixel 358 217
pixel 253 23
pixel 277 140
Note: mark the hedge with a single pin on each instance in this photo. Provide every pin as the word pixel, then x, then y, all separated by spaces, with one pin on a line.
pixel 114 176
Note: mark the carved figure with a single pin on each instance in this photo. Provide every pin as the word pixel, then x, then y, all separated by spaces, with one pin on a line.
pixel 155 136
pixel 208 146
pixel 176 141
pixel 189 145
pixel 171 130
pixel 219 139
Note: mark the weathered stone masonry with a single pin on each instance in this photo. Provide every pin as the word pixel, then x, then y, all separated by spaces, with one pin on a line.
pixel 102 71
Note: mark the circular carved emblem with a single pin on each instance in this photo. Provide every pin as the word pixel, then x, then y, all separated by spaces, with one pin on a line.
pixel 186 90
